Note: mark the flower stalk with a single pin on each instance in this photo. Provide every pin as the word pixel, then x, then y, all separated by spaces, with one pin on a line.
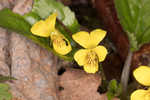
pixel 125 75
pixel 65 28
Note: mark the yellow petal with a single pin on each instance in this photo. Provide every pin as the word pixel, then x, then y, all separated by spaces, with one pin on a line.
pixel 142 75
pixel 63 50
pixel 140 95
pixel 44 28
pixel 97 36
pixel 82 38
pixel 91 69
pixel 40 29
pixel 80 56
pixel 50 21
pixel 91 40
pixel 101 51
pixel 147 97
pixel 60 44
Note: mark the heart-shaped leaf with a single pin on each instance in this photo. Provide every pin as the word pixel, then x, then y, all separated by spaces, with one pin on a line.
pixel 135 18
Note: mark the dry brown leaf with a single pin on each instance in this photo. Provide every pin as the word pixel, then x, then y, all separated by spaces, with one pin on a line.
pixel 76 84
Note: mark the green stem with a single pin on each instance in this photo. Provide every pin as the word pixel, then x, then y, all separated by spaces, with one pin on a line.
pixel 125 75
pixel 66 29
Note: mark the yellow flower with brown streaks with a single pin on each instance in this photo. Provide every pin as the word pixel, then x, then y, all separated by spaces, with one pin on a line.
pixel 142 75
pixel 93 53
pixel 46 28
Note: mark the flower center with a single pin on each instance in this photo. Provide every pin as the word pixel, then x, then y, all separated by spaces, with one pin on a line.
pixel 60 41
pixel 91 58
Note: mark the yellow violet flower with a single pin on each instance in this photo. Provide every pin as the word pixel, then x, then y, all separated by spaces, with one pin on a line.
pixel 46 28
pixel 92 54
pixel 142 75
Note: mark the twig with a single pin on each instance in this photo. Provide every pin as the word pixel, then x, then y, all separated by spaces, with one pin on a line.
pixel 125 75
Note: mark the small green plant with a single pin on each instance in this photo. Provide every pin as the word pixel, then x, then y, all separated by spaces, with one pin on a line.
pixel 4 88
pixel 4 92
pixel 114 89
